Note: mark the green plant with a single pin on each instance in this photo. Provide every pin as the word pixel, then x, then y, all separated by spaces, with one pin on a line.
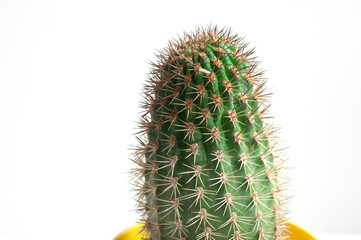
pixel 208 165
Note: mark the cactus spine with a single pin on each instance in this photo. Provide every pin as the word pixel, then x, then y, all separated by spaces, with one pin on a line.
pixel 208 165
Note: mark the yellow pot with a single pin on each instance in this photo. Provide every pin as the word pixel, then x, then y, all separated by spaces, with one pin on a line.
pixel 131 233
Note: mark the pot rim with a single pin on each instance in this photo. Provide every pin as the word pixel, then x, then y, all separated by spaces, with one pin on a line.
pixel 296 233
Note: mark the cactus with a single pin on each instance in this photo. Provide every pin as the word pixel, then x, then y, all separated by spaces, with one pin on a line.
pixel 208 163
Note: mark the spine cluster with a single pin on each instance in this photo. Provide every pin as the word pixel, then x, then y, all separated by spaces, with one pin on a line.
pixel 208 165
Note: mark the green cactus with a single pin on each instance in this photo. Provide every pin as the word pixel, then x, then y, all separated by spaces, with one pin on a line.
pixel 208 165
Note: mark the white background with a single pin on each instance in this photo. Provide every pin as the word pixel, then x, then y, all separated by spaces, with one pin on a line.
pixel 70 77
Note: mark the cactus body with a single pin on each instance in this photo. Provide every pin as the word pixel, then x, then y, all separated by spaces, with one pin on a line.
pixel 208 165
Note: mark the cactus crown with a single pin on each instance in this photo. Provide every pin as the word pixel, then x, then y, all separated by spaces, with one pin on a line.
pixel 208 165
